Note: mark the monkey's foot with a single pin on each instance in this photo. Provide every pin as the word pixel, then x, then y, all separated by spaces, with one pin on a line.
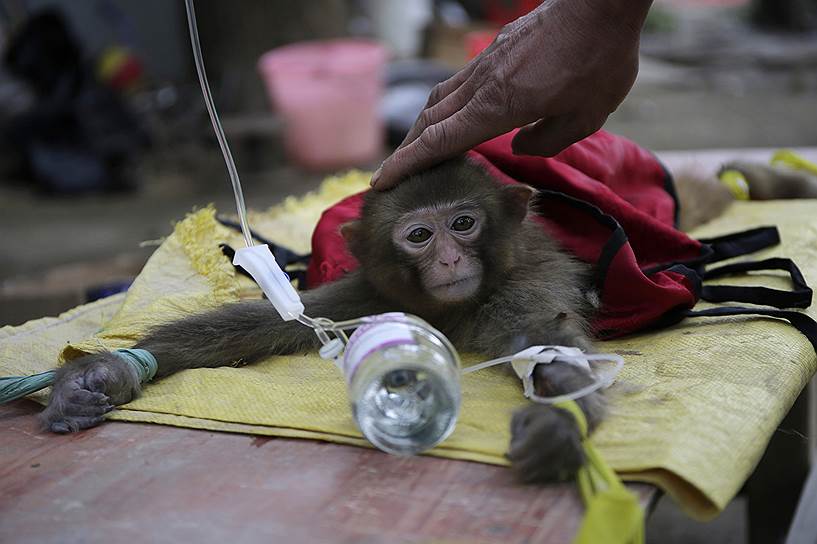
pixel 545 444
pixel 87 389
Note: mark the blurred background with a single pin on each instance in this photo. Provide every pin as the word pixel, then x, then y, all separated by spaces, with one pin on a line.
pixel 105 139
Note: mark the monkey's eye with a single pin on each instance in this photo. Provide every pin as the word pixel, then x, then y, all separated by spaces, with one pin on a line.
pixel 463 223
pixel 419 235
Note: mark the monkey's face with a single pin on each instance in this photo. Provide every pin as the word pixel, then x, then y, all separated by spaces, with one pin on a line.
pixel 442 237
pixel 442 242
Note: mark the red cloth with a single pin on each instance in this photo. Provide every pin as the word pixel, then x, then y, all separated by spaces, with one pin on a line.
pixel 604 177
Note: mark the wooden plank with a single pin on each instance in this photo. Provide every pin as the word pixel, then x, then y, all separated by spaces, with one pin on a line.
pixel 124 482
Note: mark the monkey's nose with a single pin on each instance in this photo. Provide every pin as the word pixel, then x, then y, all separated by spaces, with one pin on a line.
pixel 450 262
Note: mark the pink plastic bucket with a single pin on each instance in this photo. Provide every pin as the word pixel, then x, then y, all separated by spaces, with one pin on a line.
pixel 328 95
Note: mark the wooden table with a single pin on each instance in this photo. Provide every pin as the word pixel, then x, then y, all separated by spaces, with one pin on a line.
pixel 128 482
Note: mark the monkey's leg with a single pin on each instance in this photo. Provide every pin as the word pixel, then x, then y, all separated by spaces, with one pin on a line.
pixel 775 182
pixel 545 440
pixel 241 333
pixel 703 198
pixel 700 198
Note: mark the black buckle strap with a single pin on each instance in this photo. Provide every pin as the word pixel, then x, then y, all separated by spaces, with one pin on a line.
pixel 799 297
pixel 800 321
pixel 741 243
pixel 725 247
pixel 284 256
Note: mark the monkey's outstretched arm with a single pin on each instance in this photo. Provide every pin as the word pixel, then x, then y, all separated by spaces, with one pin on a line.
pixel 545 441
pixel 236 334
pixel 240 333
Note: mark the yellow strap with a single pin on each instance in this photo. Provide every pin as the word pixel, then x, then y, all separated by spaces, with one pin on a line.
pixel 612 513
pixel 786 157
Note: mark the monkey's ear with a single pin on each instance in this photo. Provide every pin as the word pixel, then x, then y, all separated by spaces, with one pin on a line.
pixel 517 198
pixel 351 232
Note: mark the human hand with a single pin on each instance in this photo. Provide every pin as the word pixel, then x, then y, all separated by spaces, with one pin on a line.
pixel 558 72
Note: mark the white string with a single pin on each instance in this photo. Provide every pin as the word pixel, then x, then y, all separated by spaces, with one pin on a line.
pixel 486 364
pixel 604 379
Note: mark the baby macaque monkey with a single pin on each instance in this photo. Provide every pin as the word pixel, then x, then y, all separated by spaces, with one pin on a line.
pixel 449 245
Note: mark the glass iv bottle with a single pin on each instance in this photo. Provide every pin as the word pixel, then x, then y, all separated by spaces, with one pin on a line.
pixel 404 383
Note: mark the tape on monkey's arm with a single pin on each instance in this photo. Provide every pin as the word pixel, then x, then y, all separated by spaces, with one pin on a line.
pixel 612 513
pixel 525 362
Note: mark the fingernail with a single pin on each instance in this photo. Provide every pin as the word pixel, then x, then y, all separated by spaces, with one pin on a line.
pixel 375 177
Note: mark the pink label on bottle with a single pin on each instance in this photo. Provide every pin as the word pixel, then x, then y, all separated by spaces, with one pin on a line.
pixel 381 332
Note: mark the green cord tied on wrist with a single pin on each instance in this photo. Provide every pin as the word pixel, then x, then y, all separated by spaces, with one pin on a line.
pixel 142 361
pixel 612 513
pixel 15 387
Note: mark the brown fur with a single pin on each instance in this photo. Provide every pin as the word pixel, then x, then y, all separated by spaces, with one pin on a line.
pixel 701 198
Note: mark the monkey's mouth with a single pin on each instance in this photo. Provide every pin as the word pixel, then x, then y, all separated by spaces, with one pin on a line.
pixel 456 290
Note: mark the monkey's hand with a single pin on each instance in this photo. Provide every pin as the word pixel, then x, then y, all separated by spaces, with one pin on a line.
pixel 545 440
pixel 86 389
pixel 545 444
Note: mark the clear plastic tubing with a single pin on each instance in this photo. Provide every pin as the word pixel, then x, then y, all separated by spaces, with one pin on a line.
pixel 211 110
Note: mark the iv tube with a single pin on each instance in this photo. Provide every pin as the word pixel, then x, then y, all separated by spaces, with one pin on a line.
pixel 321 325
pixel 211 110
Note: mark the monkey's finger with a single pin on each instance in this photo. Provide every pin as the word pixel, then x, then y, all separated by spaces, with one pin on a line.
pixel 73 409
pixel 545 444
pixel 83 396
pixel 98 377
pixel 73 424
pixel 549 136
